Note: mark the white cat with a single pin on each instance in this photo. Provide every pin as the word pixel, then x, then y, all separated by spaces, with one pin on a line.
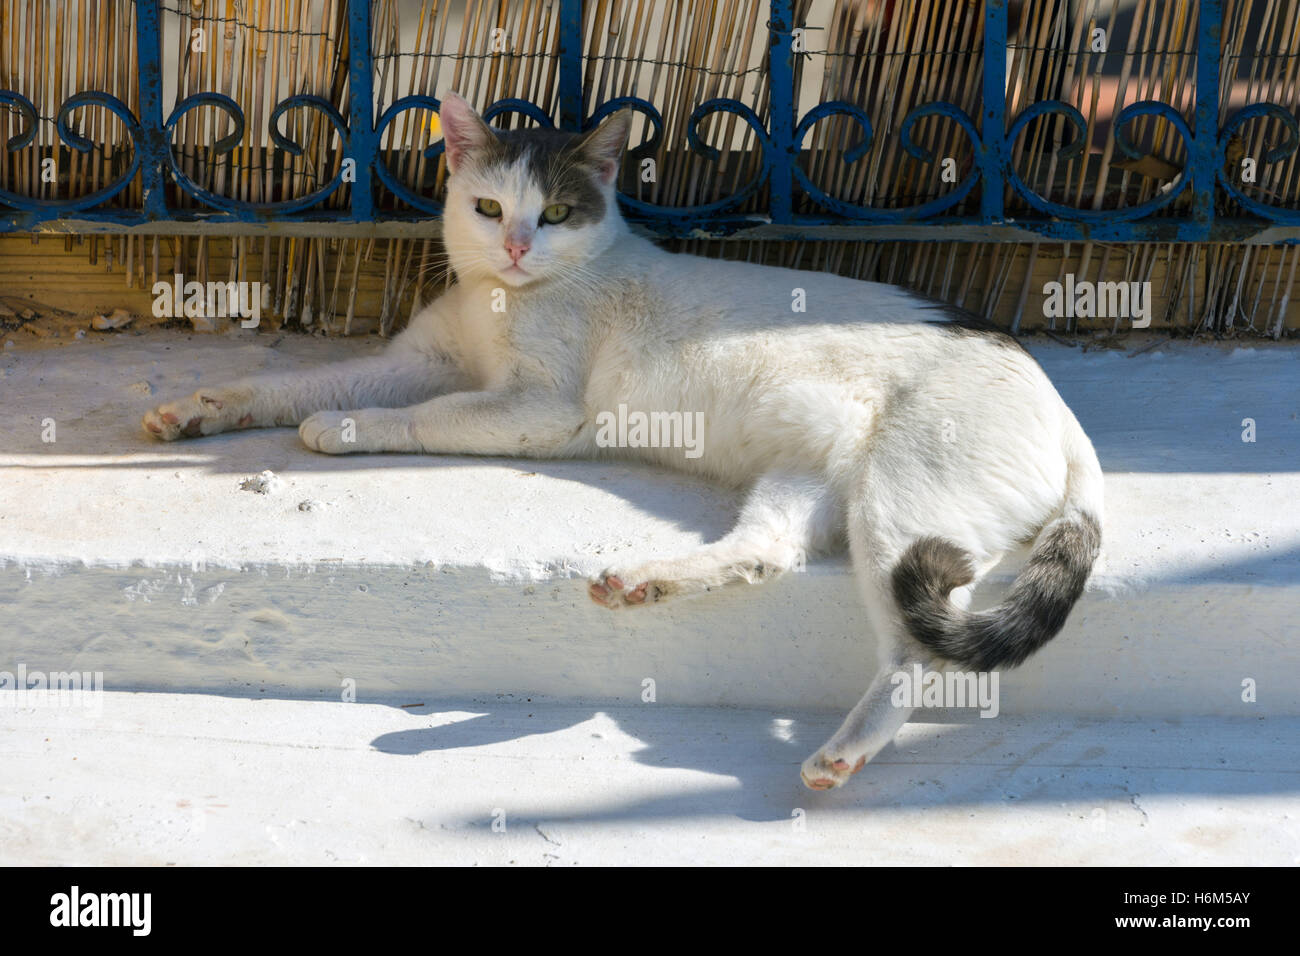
pixel 873 417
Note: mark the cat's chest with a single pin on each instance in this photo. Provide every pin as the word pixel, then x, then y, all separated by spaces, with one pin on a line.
pixel 476 336
pixel 486 354
pixel 497 338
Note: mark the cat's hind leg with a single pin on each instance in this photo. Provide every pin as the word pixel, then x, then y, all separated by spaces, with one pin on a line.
pixel 785 518
pixel 881 713
pixel 876 718
pixel 398 376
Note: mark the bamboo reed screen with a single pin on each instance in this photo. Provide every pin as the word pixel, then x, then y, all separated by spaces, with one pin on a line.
pixel 884 56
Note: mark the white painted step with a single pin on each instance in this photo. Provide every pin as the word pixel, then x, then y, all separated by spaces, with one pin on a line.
pixel 452 577
pixel 192 779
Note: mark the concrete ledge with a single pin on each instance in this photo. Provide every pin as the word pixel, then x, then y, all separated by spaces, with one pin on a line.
pixel 450 577
pixel 155 779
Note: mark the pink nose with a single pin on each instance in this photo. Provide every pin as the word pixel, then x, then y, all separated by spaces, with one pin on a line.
pixel 517 248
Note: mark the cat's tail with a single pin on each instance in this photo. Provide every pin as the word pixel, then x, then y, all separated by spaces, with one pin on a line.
pixel 1041 596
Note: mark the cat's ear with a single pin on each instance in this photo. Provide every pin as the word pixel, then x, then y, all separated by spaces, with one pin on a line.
pixel 603 146
pixel 463 130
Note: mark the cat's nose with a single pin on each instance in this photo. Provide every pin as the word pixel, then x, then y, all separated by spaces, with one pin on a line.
pixel 517 248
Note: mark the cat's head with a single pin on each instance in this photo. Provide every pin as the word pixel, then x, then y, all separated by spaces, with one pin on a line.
pixel 532 204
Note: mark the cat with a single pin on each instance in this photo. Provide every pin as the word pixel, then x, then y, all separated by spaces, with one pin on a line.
pixel 875 419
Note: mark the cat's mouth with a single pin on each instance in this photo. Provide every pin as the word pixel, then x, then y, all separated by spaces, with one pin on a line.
pixel 516 273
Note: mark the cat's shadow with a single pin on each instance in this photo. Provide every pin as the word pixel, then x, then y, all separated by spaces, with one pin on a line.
pixel 747 761
pixel 744 764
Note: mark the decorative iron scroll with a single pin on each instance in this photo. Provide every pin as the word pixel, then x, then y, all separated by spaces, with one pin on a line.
pixel 778 144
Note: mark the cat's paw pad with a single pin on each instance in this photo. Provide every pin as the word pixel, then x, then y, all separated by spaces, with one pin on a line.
pixel 825 771
pixel 206 412
pixel 610 590
pixel 333 433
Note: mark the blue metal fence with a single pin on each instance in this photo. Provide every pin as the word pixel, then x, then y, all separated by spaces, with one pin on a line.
pixel 780 178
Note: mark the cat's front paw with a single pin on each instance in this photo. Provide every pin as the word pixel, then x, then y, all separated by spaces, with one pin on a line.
pixel 612 590
pixel 206 412
pixel 334 433
pixel 364 430
pixel 826 770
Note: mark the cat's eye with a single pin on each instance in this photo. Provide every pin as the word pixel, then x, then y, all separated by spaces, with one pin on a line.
pixel 488 207
pixel 555 213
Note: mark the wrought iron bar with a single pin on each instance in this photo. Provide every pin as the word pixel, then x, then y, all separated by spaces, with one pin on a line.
pixel 779 140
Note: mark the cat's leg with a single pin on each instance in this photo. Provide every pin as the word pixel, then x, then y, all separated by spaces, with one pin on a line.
pixel 533 422
pixel 874 546
pixel 878 717
pixel 785 518
pixel 398 376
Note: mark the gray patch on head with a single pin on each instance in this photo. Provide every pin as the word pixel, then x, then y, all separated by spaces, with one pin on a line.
pixel 559 168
